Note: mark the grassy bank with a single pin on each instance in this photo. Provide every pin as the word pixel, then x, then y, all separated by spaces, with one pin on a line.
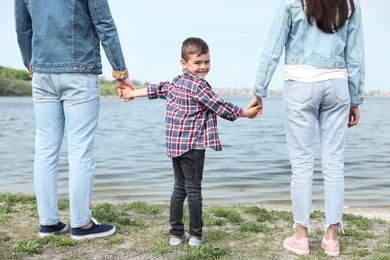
pixel 230 232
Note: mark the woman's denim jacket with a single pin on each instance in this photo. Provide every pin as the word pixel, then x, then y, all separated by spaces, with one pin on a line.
pixel 64 36
pixel 305 44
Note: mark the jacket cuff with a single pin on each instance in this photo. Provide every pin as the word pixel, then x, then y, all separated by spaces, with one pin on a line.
pixel 120 74
pixel 259 92
pixel 357 100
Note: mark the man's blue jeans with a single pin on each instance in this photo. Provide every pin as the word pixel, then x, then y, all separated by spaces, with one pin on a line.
pixel 65 101
pixel 188 170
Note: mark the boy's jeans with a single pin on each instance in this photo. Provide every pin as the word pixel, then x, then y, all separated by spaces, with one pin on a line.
pixel 305 104
pixel 71 101
pixel 188 170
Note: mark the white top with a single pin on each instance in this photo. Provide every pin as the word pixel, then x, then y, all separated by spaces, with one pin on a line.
pixel 302 73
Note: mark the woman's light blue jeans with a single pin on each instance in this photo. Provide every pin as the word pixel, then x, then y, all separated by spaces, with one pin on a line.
pixel 65 101
pixel 306 104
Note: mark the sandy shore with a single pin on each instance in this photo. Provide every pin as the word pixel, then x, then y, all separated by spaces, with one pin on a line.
pixel 371 212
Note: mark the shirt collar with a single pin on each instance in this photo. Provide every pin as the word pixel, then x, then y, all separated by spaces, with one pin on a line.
pixel 186 72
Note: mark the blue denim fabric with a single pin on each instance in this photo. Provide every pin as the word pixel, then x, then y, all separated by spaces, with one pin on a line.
pixel 188 170
pixel 65 101
pixel 306 104
pixel 65 35
pixel 305 44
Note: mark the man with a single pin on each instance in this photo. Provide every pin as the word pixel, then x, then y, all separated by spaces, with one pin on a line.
pixel 60 46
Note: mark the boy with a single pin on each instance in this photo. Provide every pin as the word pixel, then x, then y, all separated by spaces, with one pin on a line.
pixel 191 126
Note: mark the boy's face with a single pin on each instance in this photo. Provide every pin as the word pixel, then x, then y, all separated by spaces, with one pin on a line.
pixel 197 65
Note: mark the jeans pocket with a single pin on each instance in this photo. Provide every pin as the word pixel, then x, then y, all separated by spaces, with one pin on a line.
pixel 39 86
pixel 341 90
pixel 80 87
pixel 301 92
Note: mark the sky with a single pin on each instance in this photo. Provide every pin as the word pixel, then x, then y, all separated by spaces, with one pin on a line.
pixel 152 31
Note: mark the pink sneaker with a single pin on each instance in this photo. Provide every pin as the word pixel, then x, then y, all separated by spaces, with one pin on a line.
pixel 299 247
pixel 332 247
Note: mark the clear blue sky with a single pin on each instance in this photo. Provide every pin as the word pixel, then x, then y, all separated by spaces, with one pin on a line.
pixel 151 33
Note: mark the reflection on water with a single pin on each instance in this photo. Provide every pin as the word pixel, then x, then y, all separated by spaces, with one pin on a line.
pixel 252 168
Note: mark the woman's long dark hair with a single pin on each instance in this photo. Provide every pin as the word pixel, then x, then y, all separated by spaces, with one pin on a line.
pixel 329 15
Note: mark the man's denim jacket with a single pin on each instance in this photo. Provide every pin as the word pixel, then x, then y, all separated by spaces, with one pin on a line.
pixel 64 35
pixel 305 44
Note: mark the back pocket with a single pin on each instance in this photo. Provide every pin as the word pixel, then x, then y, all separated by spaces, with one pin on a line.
pixel 341 90
pixel 301 92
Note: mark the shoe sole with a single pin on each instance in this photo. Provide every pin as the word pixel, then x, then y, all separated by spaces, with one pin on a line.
pixel 330 253
pixel 94 235
pixel 296 251
pixel 184 238
pixel 48 234
pixel 175 244
pixel 196 243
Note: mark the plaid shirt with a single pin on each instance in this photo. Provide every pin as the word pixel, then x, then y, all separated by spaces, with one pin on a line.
pixel 191 116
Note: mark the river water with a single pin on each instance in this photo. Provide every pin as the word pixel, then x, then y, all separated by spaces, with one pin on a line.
pixel 253 168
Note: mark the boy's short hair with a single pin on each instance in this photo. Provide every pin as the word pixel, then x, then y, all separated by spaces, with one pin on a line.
pixel 192 46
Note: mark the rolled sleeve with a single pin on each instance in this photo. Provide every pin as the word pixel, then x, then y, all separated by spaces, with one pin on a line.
pixel 159 90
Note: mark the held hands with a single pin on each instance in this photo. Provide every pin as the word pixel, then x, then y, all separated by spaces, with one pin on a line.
pixel 128 94
pixel 124 84
pixel 251 112
pixel 255 107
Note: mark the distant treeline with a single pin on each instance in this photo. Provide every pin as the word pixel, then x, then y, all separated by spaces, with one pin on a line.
pixel 18 83
pixel 14 82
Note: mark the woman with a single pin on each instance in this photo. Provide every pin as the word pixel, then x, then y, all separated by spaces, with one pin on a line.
pixel 324 81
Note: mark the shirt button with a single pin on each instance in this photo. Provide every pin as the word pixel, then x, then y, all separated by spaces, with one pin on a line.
pixel 75 68
pixel 83 68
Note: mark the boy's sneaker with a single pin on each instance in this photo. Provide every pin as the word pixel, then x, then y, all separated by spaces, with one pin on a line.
pixel 299 247
pixel 175 241
pixel 332 247
pixel 96 230
pixel 45 231
pixel 195 241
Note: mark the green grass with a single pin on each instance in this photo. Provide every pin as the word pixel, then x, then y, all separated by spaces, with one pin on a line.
pixel 205 252
pixel 231 214
pixel 30 246
pixel 230 232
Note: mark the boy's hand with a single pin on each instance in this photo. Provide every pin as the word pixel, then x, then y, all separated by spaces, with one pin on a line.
pixel 254 111
pixel 255 102
pixel 128 94
pixel 122 84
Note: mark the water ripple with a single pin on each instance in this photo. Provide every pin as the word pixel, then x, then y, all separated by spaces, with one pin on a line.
pixel 252 168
